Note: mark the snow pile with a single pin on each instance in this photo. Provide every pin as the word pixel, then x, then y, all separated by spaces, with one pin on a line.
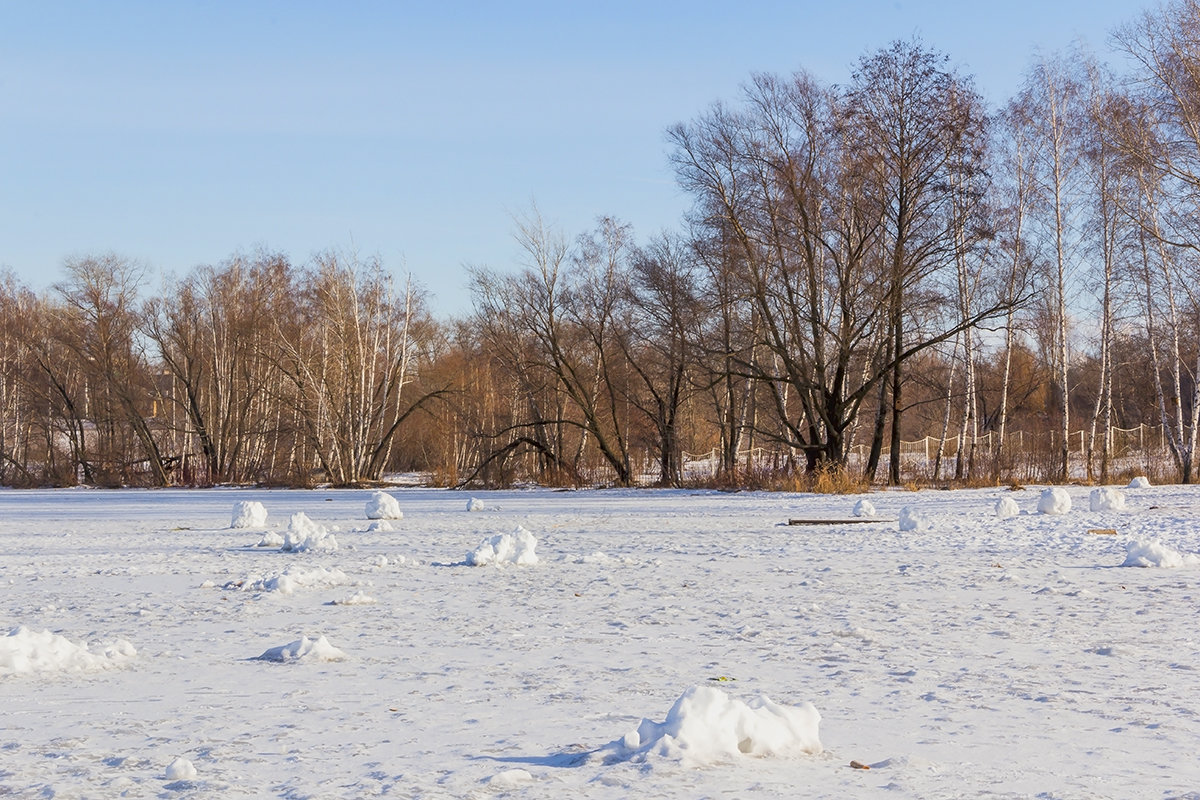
pixel 706 725
pixel 475 504
pixel 304 535
pixel 1007 508
pixel 381 525
pixel 1153 553
pixel 913 520
pixel 181 769
pixel 1054 501
pixel 270 539
pixel 505 548
pixel 23 651
pixel 383 506
pixel 864 508
pixel 292 579
pixel 1140 482
pixel 303 649
pixel 248 514
pixel 1106 499
pixel 359 598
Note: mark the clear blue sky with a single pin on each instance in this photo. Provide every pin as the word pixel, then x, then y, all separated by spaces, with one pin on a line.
pixel 177 133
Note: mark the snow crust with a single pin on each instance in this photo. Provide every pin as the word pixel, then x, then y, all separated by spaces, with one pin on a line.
pixel 1055 501
pixel 983 657
pixel 382 505
pixel 505 548
pixel 706 725
pixel 303 535
pixel 24 652
pixel 248 514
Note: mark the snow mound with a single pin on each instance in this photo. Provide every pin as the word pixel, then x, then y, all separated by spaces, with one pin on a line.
pixel 1007 508
pixel 1106 499
pixel 1140 482
pixel 380 526
pixel 913 520
pixel 304 535
pixel 248 514
pixel 510 778
pixel 1054 501
pixel 24 652
pixel 292 579
pixel 505 548
pixel 181 769
pixel 475 504
pixel 270 539
pixel 1153 553
pixel 382 505
pixel 706 725
pixel 359 598
pixel 303 649
pixel 864 508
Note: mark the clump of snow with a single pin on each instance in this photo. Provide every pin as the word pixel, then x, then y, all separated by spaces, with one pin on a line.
pixel 248 514
pixel 1007 508
pixel 505 548
pixel 303 649
pixel 304 535
pixel 292 579
pixel 382 505
pixel 1153 553
pixel 475 504
pixel 1054 501
pixel 359 598
pixel 913 520
pixel 181 770
pixel 24 651
pixel 1140 482
pixel 270 539
pixel 1106 499
pixel 864 508
pixel 380 525
pixel 706 725
pixel 510 778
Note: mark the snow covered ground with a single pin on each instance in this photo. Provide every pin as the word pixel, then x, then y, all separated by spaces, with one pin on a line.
pixel 659 644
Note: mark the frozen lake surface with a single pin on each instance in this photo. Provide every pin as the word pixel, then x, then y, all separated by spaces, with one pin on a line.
pixel 155 651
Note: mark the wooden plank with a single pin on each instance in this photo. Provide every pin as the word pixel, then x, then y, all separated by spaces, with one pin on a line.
pixel 840 521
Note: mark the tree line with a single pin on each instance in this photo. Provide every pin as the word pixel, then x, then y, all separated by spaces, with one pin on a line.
pixel 862 264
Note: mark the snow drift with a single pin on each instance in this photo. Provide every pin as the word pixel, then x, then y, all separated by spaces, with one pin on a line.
pixel 1153 553
pixel 303 649
pixel 248 514
pixel 505 548
pixel 24 652
pixel 706 725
